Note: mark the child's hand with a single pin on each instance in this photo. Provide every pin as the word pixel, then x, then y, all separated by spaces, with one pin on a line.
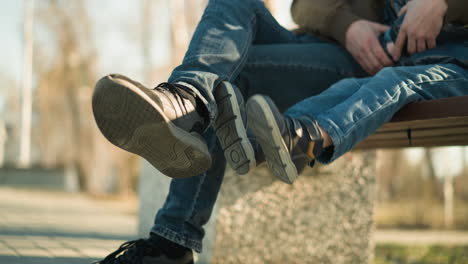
pixel 421 26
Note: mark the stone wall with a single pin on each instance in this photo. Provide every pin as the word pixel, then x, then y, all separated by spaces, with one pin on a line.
pixel 324 217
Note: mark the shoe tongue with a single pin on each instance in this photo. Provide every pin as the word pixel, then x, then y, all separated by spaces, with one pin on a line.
pixel 298 139
pixel 169 248
pixel 312 137
pixel 299 135
pixel 187 95
pixel 297 128
pixel 152 251
pixel 293 132
pixel 184 98
pixel 197 103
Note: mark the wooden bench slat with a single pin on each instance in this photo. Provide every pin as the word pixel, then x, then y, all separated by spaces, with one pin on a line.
pixel 433 109
pixel 425 124
pixel 420 133
pixel 442 122
pixel 453 140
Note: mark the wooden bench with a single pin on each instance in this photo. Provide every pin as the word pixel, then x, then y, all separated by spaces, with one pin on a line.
pixel 442 122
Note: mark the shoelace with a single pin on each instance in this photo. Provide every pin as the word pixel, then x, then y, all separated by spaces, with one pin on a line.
pixel 175 89
pixel 180 91
pixel 128 252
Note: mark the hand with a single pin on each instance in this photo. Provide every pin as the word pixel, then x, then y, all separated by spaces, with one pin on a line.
pixel 363 43
pixel 421 26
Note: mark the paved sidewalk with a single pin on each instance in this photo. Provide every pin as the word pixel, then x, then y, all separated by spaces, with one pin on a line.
pixel 43 227
pixel 61 228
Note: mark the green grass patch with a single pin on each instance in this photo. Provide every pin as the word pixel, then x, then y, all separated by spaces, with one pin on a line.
pixel 430 254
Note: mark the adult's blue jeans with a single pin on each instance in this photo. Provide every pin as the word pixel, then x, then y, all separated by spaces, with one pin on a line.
pixel 238 41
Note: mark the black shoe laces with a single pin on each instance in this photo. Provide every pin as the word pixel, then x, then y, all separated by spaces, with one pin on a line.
pixel 131 252
pixel 175 89
pixel 178 90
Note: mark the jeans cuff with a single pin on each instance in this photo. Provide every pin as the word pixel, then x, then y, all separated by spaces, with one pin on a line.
pixel 177 238
pixel 334 133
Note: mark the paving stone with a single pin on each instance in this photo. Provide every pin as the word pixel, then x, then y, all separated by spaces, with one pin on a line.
pixel 94 252
pixel 7 251
pixel 64 252
pixel 60 228
pixel 20 243
pixel 37 252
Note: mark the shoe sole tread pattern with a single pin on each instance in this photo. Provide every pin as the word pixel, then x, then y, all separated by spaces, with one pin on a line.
pixel 231 132
pixel 263 124
pixel 126 116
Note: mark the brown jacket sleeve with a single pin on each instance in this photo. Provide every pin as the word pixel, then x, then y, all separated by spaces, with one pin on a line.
pixel 457 11
pixel 330 18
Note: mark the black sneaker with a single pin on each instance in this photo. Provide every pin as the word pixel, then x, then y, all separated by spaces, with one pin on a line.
pixel 300 164
pixel 231 130
pixel 143 252
pixel 288 144
pixel 162 125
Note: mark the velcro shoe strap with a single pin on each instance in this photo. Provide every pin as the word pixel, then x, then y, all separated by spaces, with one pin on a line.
pixel 315 146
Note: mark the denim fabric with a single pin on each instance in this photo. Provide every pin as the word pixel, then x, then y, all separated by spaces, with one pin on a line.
pixel 223 40
pixel 240 42
pixel 391 18
pixel 391 10
pixel 353 109
pixel 190 201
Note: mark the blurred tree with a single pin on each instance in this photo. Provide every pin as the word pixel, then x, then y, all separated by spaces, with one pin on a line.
pixel 68 136
pixel 271 5
pixel 26 95
pixel 146 37
pixel 465 161
pixel 10 114
pixel 387 163
pixel 179 29
pixel 3 139
pixel 432 186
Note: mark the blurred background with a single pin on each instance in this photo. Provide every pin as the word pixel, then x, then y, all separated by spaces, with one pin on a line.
pixel 54 51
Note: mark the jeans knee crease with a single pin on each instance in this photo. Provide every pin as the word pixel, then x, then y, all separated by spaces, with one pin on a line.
pixel 245 50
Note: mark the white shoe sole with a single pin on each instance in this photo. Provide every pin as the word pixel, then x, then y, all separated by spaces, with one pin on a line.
pixel 128 117
pixel 263 124
pixel 231 130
